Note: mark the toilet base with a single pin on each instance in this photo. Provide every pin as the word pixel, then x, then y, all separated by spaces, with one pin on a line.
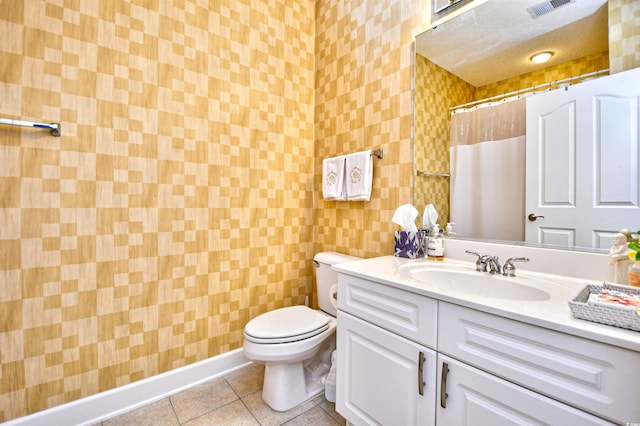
pixel 288 384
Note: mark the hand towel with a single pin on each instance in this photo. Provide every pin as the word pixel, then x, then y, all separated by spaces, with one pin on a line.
pixel 333 178
pixel 359 176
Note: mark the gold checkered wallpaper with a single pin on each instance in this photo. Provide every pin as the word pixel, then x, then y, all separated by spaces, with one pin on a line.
pixel 364 100
pixel 181 199
pixel 436 91
pixel 624 34
pixel 177 204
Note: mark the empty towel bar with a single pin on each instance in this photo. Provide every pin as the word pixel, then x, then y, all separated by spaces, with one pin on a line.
pixel 425 173
pixel 54 127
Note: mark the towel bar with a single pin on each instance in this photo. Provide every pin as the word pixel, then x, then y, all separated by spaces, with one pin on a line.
pixel 54 127
pixel 424 173
pixel 377 152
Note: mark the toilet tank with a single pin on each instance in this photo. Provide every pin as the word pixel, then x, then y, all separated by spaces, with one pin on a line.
pixel 326 277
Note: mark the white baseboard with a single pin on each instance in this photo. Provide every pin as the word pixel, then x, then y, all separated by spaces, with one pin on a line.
pixel 96 408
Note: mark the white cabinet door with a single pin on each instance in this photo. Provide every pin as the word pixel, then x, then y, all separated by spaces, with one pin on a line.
pixel 379 376
pixel 468 396
pixel 582 162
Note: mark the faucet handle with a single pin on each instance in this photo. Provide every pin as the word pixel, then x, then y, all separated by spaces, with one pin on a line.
pixel 509 270
pixel 481 262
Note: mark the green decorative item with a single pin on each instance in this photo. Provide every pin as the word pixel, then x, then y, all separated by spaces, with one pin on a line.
pixel 634 251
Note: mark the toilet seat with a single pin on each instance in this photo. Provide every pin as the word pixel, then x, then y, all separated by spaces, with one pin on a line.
pixel 286 325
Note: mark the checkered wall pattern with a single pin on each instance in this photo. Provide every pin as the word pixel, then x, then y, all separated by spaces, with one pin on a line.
pixel 175 206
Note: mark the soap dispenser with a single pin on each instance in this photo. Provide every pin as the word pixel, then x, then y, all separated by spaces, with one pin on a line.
pixel 436 244
pixel 449 228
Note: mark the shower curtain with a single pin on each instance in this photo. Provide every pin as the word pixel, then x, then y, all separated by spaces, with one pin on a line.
pixel 488 170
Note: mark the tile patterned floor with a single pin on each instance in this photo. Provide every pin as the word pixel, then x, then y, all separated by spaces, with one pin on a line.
pixel 233 400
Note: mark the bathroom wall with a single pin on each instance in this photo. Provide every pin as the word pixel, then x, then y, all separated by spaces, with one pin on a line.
pixel 177 204
pixel 436 91
pixel 624 34
pixel 364 100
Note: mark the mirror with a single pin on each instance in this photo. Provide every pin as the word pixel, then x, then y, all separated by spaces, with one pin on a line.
pixel 478 54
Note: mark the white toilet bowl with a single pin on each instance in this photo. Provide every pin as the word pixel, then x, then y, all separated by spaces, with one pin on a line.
pixel 295 343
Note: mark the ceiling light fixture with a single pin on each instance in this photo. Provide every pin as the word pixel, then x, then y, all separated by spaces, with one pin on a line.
pixel 541 57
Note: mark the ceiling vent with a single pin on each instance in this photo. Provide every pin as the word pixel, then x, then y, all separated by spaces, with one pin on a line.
pixel 546 7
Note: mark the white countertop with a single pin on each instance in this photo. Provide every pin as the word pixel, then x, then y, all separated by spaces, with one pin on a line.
pixel 553 313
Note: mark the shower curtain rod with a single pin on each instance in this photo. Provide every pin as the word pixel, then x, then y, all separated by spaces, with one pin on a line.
pixel 530 89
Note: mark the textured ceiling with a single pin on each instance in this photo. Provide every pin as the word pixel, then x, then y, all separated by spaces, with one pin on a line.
pixel 495 40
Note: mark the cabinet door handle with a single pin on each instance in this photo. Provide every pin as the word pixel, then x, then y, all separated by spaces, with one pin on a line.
pixel 443 385
pixel 421 383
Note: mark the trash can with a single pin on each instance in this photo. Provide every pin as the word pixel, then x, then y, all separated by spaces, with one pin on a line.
pixel 330 383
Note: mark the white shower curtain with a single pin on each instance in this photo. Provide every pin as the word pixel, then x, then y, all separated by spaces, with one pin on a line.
pixel 488 170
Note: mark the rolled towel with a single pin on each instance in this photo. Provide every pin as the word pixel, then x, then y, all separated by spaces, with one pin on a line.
pixel 359 176
pixel 333 178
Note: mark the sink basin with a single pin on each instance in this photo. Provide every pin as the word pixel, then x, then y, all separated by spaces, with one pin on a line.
pixel 479 283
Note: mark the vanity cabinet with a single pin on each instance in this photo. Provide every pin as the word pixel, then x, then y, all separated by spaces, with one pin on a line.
pixel 387 380
pixel 386 362
pixel 478 368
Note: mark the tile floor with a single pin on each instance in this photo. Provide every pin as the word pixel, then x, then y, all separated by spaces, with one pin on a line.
pixel 234 399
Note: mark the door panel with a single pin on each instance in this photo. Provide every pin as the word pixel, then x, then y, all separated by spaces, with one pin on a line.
pixel 557 178
pixel 616 148
pixel 378 374
pixel 582 162
pixel 557 236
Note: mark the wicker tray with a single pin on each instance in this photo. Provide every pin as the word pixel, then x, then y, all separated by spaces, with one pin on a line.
pixel 605 313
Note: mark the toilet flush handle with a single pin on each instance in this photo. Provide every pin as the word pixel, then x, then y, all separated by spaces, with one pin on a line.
pixel 333 295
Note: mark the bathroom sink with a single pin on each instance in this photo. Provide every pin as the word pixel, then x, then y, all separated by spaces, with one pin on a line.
pixel 480 283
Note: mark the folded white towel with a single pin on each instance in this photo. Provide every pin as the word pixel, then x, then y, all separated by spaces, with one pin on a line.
pixel 359 176
pixel 333 178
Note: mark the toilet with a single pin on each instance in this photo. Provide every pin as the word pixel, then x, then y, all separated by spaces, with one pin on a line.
pixel 295 343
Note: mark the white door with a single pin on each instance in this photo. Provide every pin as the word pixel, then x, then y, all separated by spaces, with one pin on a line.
pixel 468 396
pixel 380 380
pixel 582 162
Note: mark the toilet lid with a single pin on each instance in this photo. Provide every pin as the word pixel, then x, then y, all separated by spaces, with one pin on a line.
pixel 286 325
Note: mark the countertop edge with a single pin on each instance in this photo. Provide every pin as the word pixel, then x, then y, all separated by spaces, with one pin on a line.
pixel 560 317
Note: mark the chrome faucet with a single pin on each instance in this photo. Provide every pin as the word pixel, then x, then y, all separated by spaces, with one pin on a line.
pixel 491 264
pixel 509 269
pixel 486 263
pixel 481 263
